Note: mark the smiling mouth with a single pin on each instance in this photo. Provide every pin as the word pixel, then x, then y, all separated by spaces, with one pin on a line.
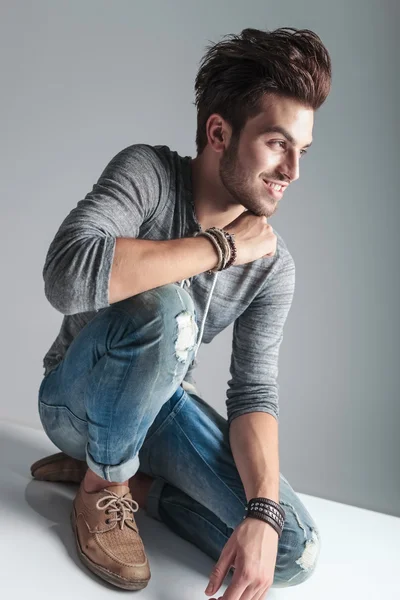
pixel 275 186
pixel 274 190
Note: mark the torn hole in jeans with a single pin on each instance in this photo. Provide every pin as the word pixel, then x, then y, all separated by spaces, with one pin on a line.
pixel 187 335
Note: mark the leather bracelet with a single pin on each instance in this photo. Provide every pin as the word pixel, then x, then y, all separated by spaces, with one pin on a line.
pixel 221 244
pixel 269 511
pixel 266 513
pixel 253 502
pixel 224 245
pixel 217 247
pixel 266 510
pixel 268 520
pixel 229 241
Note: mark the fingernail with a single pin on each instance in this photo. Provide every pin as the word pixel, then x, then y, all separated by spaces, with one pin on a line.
pixel 209 588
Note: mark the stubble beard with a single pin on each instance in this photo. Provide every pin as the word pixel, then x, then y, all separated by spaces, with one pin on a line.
pixel 236 182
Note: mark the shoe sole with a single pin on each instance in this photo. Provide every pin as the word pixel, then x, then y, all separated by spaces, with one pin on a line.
pixel 101 571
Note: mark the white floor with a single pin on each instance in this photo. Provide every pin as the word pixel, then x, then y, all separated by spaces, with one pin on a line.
pixel 360 554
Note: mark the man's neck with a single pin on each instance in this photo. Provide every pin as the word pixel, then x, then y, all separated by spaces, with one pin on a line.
pixel 213 205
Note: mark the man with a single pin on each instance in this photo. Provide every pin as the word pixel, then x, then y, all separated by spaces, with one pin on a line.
pixel 164 253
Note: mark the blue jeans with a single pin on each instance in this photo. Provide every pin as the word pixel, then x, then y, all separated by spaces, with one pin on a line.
pixel 116 401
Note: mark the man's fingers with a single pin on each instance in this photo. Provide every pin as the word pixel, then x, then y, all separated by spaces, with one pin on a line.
pixel 237 588
pixel 245 585
pixel 219 572
pixel 262 594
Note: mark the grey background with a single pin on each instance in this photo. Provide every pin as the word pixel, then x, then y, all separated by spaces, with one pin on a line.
pixel 82 80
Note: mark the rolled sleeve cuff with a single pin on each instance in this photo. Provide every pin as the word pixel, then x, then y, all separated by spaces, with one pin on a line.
pixel 272 410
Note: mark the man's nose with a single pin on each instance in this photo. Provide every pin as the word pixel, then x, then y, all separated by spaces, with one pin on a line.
pixel 291 168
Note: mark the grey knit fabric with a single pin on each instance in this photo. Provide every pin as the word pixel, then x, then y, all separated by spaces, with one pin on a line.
pixel 146 192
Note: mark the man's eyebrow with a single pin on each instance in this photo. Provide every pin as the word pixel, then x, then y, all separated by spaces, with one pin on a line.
pixel 282 131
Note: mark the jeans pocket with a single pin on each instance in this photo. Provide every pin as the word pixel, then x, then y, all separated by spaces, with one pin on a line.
pixel 67 431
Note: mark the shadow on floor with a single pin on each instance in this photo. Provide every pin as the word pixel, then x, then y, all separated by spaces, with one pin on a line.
pixel 53 502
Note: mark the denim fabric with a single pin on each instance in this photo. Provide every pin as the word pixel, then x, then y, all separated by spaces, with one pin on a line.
pixel 116 401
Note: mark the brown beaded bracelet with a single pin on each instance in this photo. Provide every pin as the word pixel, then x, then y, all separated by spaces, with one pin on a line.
pixel 222 242
pixel 230 238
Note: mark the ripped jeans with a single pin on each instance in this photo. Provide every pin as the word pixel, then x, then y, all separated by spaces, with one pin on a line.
pixel 116 401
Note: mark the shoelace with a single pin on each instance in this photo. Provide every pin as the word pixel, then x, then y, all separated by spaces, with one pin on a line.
pixel 119 505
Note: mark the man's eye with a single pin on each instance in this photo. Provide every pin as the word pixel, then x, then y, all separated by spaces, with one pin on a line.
pixel 278 142
pixel 282 144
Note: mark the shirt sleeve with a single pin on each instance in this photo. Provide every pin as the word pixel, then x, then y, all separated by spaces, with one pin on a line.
pixel 78 264
pixel 257 336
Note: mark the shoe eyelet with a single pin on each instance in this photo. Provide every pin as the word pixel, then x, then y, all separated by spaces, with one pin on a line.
pixel 107 521
pixel 107 511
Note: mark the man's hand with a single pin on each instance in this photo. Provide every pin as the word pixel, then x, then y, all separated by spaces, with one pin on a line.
pixel 254 237
pixel 252 550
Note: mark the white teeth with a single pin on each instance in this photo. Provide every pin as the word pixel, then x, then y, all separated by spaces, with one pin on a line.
pixel 275 186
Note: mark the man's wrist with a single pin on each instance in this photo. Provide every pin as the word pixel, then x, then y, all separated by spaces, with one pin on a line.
pixel 266 510
pixel 268 489
pixel 262 523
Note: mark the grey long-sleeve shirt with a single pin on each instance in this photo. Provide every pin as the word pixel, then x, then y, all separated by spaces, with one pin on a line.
pixel 146 192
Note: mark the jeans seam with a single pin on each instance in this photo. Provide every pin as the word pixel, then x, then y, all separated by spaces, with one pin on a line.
pixel 198 515
pixel 212 470
pixel 178 406
pixel 117 392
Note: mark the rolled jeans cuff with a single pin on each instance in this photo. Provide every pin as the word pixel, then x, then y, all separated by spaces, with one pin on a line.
pixel 153 499
pixel 114 473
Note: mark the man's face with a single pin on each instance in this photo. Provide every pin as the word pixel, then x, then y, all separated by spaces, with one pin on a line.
pixel 261 155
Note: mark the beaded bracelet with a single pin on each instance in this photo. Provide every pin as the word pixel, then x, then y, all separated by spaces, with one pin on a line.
pixel 216 245
pixel 223 244
pixel 220 234
pixel 226 244
pixel 231 240
pixel 220 244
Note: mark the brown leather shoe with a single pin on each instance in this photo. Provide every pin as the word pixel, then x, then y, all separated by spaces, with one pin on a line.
pixel 59 467
pixel 107 536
